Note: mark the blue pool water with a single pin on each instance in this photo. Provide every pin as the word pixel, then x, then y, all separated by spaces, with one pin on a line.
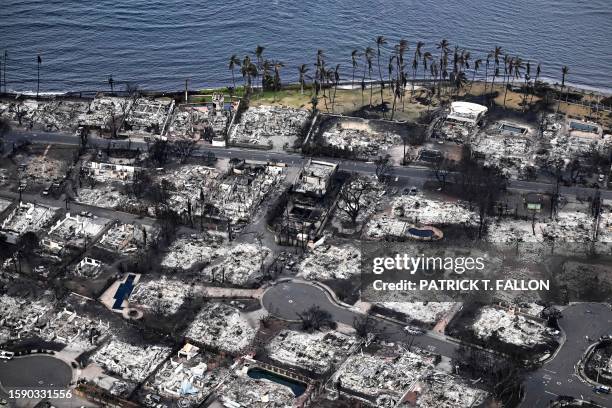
pixel 297 387
pixel 423 233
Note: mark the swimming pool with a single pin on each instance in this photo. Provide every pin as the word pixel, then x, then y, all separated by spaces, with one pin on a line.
pixel 583 127
pixel 297 387
pixel 506 127
pixel 422 233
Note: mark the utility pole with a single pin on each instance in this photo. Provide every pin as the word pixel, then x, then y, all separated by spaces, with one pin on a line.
pixel 186 94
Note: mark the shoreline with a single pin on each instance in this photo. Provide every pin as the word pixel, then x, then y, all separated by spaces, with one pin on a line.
pixel 344 85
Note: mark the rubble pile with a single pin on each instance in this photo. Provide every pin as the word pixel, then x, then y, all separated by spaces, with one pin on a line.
pixel 506 152
pixel 565 227
pixel 331 262
pixel 191 121
pixel 368 201
pixel 52 115
pixel 240 390
pixel 316 352
pixel 77 332
pixel 191 379
pixel 441 390
pixel 75 230
pixel 358 136
pixel 510 328
pixel 26 217
pixel 102 110
pixel 425 312
pixel 41 168
pixel 385 377
pixel 222 327
pixel 102 196
pixel 187 251
pixel 127 238
pixel 163 296
pixel 273 126
pixel 238 264
pixel 385 225
pixel 149 115
pixel 421 210
pixel 131 362
pixel 235 195
pixel 21 317
pixel 88 268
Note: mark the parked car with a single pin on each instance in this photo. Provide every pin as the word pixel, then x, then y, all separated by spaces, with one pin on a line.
pixel 413 330
pixel 601 389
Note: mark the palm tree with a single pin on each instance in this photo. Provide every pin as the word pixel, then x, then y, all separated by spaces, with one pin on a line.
pixel 489 55
pixel 111 82
pixel 496 53
pixel 475 70
pixel 319 75
pixel 537 76
pixel 39 61
pixel 527 77
pixel 355 64
pixel 426 57
pixel 259 55
pixel 265 74
pixel 495 75
pixel 335 76
pixel 514 71
pixel 369 57
pixel 460 81
pixel 249 71
pixel 303 69
pixel 276 85
pixel 443 47
pixel 380 41
pixel 564 72
pixel 233 63
pixel 415 63
pixel 367 66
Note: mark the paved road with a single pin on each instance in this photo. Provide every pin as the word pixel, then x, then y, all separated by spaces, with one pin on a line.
pixel 74 207
pixel 417 173
pixel 558 376
pixel 287 299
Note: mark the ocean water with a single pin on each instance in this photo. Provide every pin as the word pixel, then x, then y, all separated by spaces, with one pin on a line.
pixel 158 44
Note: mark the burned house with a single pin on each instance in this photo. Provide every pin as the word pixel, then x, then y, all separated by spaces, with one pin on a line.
pixel 461 122
pixel 308 204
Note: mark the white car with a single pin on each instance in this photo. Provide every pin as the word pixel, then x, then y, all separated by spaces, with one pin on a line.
pixel 413 330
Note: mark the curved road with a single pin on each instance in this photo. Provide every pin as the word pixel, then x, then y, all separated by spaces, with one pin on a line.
pixel 285 300
pixel 557 377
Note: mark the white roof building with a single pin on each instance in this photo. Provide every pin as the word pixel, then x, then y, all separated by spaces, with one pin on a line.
pixel 466 112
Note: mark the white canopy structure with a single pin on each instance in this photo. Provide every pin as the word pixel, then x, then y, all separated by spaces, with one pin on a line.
pixel 466 112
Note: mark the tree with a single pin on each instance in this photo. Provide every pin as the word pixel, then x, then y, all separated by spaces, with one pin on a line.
pixel 315 318
pixel 380 41
pixel 249 71
pixel 233 63
pixel 302 70
pixel 183 149
pixel 383 167
pixel 415 64
pixel 158 152
pixel 564 72
pixel 477 64
pixel 364 325
pixel 368 55
pixel 354 64
pixel 39 62
pixel 111 83
pixel 442 169
pixel 350 198
pixel 460 81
